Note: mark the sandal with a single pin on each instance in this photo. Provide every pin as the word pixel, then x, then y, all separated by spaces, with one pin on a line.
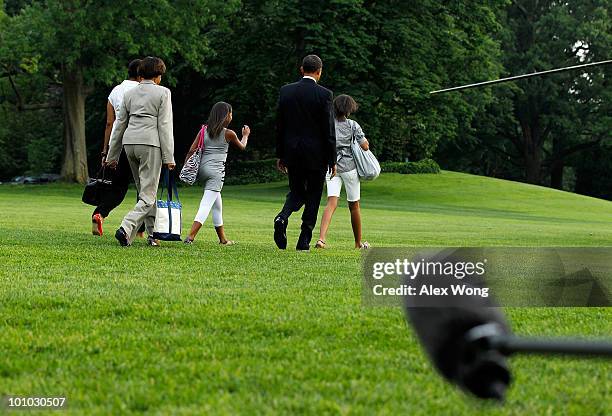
pixel 227 243
pixel 188 240
pixel 152 241
pixel 320 244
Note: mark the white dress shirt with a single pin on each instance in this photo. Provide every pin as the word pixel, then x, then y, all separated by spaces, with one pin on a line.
pixel 116 99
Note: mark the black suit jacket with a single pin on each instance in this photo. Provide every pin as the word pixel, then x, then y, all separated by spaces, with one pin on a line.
pixel 305 130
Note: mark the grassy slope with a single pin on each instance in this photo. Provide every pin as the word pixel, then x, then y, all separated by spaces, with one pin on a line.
pixel 186 330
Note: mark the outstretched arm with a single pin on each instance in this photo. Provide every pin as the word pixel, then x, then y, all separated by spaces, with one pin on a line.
pixel 232 138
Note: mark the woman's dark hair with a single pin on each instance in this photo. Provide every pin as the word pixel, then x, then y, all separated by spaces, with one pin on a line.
pixel 344 105
pixel 216 119
pixel 133 68
pixel 151 67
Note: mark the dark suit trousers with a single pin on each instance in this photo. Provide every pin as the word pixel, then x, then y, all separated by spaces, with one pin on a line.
pixel 305 189
pixel 116 194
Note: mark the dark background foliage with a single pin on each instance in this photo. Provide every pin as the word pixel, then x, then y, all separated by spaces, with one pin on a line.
pixel 553 131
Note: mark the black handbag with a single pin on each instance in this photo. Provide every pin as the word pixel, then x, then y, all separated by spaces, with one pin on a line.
pixel 96 188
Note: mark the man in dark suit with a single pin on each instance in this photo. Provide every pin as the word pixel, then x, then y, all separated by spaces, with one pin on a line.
pixel 305 147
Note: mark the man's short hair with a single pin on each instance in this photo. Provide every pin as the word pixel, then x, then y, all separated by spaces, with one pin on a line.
pixel 151 67
pixel 133 68
pixel 312 64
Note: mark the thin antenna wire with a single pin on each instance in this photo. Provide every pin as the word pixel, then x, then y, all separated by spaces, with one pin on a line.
pixel 514 78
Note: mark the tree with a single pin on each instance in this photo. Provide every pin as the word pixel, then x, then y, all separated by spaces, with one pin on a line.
pixel 80 44
pixel 551 118
pixel 421 47
pixel 388 55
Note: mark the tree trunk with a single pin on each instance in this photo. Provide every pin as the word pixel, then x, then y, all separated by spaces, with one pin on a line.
pixel 532 149
pixel 556 174
pixel 556 169
pixel 533 167
pixel 74 165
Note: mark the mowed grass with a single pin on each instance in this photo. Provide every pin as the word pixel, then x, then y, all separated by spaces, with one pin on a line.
pixel 249 329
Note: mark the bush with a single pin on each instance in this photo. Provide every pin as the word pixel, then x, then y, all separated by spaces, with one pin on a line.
pixel 43 155
pixel 262 171
pixel 253 171
pixel 422 166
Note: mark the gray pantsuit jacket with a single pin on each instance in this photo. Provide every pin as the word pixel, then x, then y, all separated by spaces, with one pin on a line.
pixel 145 118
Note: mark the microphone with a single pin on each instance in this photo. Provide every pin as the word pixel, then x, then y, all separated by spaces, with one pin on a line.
pixel 443 332
pixel 442 325
pixel 469 340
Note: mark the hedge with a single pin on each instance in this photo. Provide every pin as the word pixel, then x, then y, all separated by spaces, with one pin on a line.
pixel 262 171
pixel 422 166
pixel 252 171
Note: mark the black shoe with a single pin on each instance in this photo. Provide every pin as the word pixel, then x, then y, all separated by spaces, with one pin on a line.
pixel 303 243
pixel 121 236
pixel 280 233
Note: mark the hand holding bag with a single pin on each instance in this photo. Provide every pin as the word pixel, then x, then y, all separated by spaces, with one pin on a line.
pixel 367 165
pixel 168 215
pixel 96 188
pixel 189 173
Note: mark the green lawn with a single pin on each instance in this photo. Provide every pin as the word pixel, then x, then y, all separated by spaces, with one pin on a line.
pixel 248 329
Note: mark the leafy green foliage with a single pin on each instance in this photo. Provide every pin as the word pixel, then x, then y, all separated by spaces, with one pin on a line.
pixel 30 141
pixel 422 166
pixel 387 55
pixel 535 128
pixel 100 38
pixel 83 44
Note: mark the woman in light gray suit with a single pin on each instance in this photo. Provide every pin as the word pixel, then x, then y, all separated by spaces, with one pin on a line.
pixel 144 129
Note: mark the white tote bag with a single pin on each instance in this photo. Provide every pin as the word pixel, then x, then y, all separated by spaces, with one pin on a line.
pixel 368 167
pixel 168 215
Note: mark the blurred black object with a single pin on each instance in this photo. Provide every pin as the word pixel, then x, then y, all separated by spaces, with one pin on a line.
pixel 469 340
pixel 97 187
pixel 443 332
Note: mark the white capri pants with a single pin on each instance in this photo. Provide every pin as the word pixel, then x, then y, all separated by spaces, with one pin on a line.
pixel 351 183
pixel 211 200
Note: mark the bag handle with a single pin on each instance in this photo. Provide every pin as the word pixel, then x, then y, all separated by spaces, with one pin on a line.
pixel 199 147
pixel 352 129
pixel 101 175
pixel 201 140
pixel 169 184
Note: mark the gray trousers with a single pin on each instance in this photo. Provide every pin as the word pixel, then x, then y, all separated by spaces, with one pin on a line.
pixel 145 163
